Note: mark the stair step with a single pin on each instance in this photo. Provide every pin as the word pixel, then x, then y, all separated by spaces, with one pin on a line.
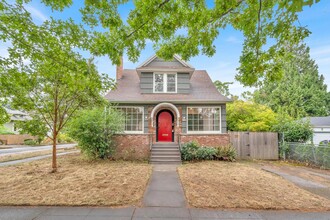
pixel 165 162
pixel 165 143
pixel 165 148
pixel 165 154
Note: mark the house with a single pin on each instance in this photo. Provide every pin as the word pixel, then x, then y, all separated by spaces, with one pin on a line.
pixel 15 115
pixel 321 129
pixel 167 103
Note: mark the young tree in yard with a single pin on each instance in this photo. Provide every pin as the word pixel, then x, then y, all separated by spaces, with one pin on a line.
pixel 43 74
pixel 301 92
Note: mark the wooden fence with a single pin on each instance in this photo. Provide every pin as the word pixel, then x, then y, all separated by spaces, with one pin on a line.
pixel 255 145
pixel 14 138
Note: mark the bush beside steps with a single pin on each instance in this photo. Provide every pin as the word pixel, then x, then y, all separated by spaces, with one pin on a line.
pixel 191 151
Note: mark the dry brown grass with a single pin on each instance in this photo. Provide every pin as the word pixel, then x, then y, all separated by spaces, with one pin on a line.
pixel 77 182
pixel 32 154
pixel 242 185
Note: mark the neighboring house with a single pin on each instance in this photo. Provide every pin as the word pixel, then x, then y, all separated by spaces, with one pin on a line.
pixel 15 116
pixel 321 129
pixel 168 101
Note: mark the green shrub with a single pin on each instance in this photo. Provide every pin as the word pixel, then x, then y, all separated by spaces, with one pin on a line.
pixel 30 142
pixel 226 153
pixel 189 151
pixel 192 151
pixel 63 138
pixel 3 130
pixel 205 153
pixel 94 130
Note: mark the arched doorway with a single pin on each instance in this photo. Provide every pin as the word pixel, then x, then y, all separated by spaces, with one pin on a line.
pixel 165 126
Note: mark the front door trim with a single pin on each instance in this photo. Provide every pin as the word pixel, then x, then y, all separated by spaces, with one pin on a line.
pixel 168 106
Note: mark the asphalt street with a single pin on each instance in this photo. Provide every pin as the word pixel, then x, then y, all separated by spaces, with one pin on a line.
pixel 17 149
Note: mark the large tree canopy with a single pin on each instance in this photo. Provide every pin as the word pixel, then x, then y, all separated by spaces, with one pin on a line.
pixel 188 28
pixel 43 74
pixel 301 92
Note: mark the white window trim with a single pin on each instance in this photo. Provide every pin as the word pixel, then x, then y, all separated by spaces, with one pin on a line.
pixel 165 82
pixel 134 132
pixel 204 132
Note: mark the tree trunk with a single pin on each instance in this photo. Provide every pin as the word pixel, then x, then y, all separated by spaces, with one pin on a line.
pixel 54 164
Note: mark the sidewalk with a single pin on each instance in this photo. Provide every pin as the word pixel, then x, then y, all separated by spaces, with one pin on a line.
pixel 13 162
pixel 88 213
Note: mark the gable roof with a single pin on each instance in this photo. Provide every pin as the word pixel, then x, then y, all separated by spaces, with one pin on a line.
pixel 175 57
pixel 16 115
pixel 156 64
pixel 202 91
pixel 319 121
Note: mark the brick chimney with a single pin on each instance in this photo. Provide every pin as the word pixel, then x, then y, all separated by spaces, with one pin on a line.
pixel 119 69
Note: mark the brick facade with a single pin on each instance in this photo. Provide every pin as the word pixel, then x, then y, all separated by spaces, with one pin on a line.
pixel 211 140
pixel 132 146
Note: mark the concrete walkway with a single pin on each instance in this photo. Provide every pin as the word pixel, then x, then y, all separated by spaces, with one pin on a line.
pixel 312 186
pixel 158 213
pixel 8 163
pixel 164 189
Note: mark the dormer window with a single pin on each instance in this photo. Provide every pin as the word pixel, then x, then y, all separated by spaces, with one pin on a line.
pixel 165 83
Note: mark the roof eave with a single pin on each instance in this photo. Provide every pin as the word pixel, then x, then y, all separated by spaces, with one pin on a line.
pixel 162 69
pixel 170 101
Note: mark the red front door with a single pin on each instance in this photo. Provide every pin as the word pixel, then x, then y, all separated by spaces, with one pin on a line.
pixel 165 126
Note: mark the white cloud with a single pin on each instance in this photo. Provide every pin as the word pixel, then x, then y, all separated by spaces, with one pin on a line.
pixel 233 39
pixel 35 13
pixel 319 51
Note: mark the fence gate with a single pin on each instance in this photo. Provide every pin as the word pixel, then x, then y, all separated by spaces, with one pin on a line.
pixel 255 145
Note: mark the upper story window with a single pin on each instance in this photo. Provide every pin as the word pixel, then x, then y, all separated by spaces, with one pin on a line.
pixel 165 82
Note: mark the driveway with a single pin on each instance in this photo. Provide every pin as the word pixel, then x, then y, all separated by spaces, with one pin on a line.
pixel 314 180
pixel 17 149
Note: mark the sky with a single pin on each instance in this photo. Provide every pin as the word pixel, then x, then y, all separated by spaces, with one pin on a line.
pixel 222 66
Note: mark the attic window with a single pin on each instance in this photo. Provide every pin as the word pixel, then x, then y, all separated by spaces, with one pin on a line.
pixel 165 82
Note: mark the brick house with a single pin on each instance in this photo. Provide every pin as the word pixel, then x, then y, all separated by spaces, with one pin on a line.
pixel 167 103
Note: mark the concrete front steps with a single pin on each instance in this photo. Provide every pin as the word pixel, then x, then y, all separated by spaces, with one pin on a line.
pixel 165 153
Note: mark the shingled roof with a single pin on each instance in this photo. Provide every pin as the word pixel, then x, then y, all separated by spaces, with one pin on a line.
pixel 319 121
pixel 202 91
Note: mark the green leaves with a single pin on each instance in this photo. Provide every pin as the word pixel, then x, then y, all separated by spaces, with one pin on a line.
pixel 94 130
pixel 4 117
pixel 190 28
pixel 301 92
pixel 249 116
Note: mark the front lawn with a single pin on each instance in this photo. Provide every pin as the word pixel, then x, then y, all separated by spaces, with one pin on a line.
pixel 77 182
pixel 216 184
